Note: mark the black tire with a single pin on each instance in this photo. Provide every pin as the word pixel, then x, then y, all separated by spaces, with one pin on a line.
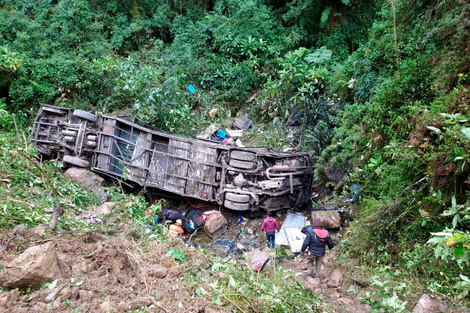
pixel 241 164
pixel 76 161
pixel 84 115
pixel 235 197
pixel 243 155
pixel 236 206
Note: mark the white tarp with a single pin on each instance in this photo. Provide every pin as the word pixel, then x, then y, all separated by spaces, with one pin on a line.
pixel 293 220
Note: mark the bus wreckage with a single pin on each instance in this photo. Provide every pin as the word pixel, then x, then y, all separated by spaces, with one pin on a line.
pixel 238 178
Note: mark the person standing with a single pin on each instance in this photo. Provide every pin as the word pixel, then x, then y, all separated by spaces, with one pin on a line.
pixel 270 225
pixel 316 241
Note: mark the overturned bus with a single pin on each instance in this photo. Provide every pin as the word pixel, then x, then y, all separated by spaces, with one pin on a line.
pixel 238 178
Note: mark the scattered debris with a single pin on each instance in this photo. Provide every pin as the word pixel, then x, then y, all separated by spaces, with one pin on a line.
pixel 53 295
pixel 208 132
pixel 243 123
pixel 212 112
pixel 91 219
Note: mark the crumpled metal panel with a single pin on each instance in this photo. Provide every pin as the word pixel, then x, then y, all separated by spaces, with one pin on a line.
pixel 293 220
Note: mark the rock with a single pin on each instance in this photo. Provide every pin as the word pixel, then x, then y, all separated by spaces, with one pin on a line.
pixel 106 306
pixel 138 303
pixel 104 209
pixel 56 304
pixel 158 271
pixel 85 295
pixel 335 279
pixel 257 259
pixel 39 307
pixel 314 282
pixel 86 179
pixel 333 294
pixel 330 219
pixel 74 293
pixel 19 228
pixel 11 298
pixel 215 224
pixel 36 265
pixel 426 304
pixel 3 300
pixel 102 194
pixel 346 301
pixel 79 268
pixel 37 231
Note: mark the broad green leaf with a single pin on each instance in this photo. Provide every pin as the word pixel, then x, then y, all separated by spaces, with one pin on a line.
pixel 319 56
pixel 325 15
pixel 459 251
pixel 216 299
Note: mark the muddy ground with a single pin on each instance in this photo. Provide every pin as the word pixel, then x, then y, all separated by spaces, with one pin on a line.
pixel 116 273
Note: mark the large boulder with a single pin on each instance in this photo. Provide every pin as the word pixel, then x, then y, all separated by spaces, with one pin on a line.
pixel 215 224
pixel 86 179
pixel 36 265
pixel 330 219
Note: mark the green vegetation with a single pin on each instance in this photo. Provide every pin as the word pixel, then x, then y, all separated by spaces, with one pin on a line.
pixel 380 89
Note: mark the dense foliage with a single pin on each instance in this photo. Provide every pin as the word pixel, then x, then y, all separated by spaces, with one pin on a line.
pixel 404 136
pixel 378 90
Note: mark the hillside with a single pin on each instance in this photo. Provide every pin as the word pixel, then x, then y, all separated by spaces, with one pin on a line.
pixel 376 91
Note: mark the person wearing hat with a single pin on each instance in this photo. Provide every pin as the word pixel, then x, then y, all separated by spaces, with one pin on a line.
pixel 173 216
pixel 316 241
pixel 270 225
pixel 175 230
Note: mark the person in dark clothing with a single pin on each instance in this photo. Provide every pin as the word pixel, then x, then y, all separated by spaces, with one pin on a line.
pixel 173 216
pixel 316 241
pixel 270 225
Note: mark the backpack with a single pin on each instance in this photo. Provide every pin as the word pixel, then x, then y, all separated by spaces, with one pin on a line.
pixel 193 222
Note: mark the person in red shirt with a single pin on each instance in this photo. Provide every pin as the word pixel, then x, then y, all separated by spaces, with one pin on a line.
pixel 270 225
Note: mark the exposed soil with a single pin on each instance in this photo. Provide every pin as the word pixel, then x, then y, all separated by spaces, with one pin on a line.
pixel 118 275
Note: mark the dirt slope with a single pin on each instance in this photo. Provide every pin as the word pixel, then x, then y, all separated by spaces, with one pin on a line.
pixel 116 275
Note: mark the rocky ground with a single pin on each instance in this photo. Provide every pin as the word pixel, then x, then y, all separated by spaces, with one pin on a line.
pixel 99 272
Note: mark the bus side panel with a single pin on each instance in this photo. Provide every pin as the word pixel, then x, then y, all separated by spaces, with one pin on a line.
pixel 178 166
pixel 202 171
pixel 138 167
pixel 105 144
pixel 158 161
